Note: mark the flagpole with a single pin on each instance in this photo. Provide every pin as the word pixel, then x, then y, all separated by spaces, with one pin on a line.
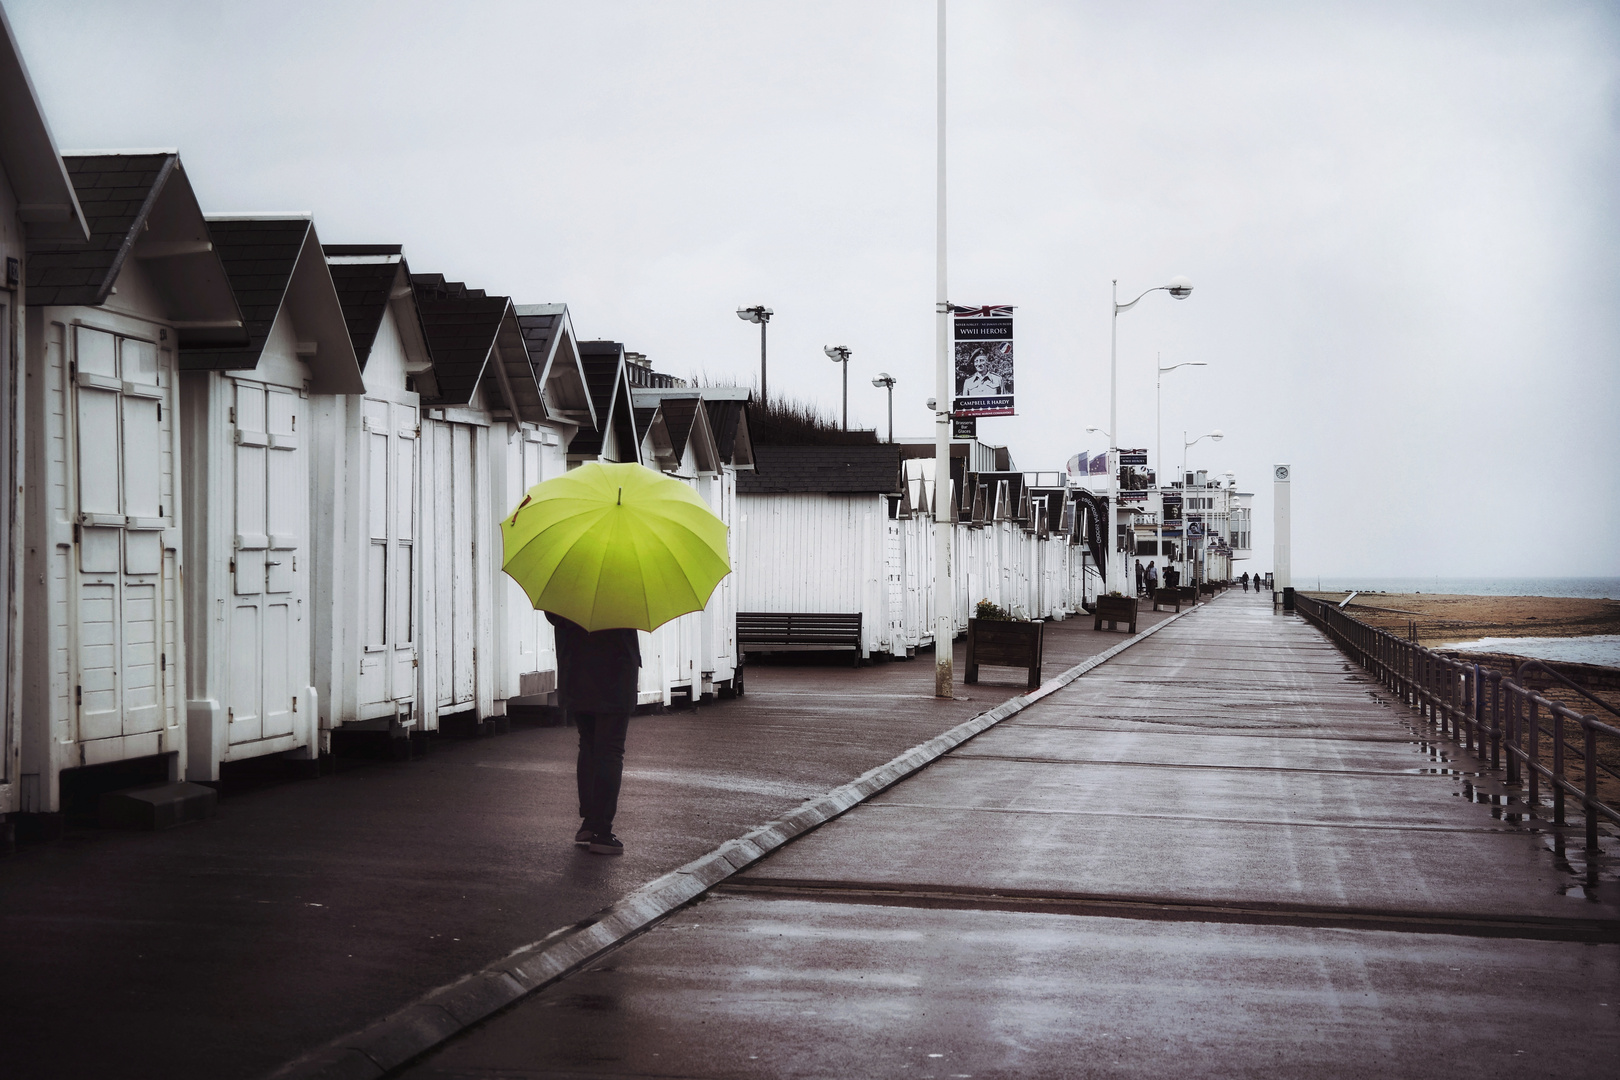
pixel 944 514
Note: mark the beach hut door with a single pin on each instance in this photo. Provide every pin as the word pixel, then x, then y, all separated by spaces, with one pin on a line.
pixel 388 665
pixel 122 430
pixel 268 657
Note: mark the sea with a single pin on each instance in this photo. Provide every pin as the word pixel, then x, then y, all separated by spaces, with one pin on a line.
pixel 1592 649
pixel 1594 588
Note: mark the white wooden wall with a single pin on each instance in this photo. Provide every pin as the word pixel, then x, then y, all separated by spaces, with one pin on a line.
pixel 829 553
pixel 817 553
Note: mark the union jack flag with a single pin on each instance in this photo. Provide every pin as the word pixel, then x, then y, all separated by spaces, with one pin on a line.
pixel 989 311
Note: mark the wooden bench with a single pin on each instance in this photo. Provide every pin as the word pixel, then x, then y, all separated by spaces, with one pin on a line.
pixel 798 631
pixel 1167 596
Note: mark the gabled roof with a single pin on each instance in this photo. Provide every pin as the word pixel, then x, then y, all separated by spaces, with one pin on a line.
pixel 278 273
pixel 363 275
pixel 683 422
pixel 548 336
pixel 603 362
pixel 727 407
pixel 138 205
pixel 46 202
pixel 462 325
pixel 841 470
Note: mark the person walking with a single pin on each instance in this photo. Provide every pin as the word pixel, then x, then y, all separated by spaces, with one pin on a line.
pixel 597 675
pixel 1152 578
pixel 1141 578
pixel 1245 580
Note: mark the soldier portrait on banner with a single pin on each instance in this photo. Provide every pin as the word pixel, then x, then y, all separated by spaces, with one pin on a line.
pixel 984 361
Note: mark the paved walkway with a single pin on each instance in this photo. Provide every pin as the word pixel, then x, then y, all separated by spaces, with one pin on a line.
pixel 1223 853
pixel 307 910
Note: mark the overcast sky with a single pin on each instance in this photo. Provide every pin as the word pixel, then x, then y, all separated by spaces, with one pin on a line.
pixel 1401 219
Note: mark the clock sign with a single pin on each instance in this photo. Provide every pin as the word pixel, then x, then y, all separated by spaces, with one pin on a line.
pixel 1282 472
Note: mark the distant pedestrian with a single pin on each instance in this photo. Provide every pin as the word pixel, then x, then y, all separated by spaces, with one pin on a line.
pixel 1152 578
pixel 597 675
pixel 1245 580
pixel 1141 578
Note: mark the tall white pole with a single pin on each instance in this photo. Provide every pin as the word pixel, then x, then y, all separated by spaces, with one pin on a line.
pixel 1113 554
pixel 1282 571
pixel 1158 449
pixel 944 514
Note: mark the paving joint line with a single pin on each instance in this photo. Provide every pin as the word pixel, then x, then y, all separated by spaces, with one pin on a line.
pixel 1160 909
pixel 430 1021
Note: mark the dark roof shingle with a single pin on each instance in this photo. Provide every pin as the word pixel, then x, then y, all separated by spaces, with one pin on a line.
pixel 116 192
pixel 843 470
pixel 461 325
pixel 259 255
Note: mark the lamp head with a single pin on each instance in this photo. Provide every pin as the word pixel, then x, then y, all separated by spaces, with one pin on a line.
pixel 884 379
pixel 1179 287
pixel 836 353
pixel 755 314
pixel 1216 435
pixel 930 404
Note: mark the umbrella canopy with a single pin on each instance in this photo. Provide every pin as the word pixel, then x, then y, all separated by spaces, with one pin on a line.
pixel 615 546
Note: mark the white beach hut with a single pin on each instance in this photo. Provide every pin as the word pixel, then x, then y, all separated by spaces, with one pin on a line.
pixel 533 450
pixel 365 503
pixel 481 395
pixel 104 662
pixel 246 426
pixel 37 204
pixel 815 534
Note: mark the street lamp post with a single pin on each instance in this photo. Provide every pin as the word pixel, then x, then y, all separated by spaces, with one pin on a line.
pixel 1158 432
pixel 839 354
pixel 761 315
pixel 886 381
pixel 1186 444
pixel 944 595
pixel 1180 288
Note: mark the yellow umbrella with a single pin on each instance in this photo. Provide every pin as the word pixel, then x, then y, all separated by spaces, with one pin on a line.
pixel 615 546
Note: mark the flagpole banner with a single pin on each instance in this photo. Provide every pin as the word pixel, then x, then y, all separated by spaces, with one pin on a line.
pixel 984 360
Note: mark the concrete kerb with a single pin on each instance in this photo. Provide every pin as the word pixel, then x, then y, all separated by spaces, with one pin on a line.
pixel 443 1013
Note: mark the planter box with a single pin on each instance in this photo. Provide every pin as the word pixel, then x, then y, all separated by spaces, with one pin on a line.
pixel 1115 610
pixel 1167 596
pixel 1189 594
pixel 1000 643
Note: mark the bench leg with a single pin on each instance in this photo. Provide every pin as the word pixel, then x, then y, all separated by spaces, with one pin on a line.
pixel 971 675
pixel 1034 676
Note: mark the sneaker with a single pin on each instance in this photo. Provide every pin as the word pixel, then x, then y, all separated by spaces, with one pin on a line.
pixel 605 843
pixel 583 837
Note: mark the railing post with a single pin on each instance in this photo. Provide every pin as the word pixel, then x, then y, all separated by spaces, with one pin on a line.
pixel 1589 766
pixel 1471 694
pixel 1534 752
pixel 1557 719
pixel 1496 719
pixel 1514 702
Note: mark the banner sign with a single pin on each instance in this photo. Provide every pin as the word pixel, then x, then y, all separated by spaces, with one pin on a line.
pixel 984 360
pixel 1133 457
pixel 964 427
pixel 1133 496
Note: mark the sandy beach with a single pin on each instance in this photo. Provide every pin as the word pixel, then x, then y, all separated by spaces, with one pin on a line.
pixel 1442 619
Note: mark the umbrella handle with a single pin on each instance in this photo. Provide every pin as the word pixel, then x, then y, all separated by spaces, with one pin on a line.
pixel 525 502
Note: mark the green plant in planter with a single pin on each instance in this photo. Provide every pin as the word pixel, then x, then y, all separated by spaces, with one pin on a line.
pixel 991 612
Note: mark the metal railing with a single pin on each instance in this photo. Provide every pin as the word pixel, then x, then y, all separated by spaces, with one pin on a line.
pixel 1489 714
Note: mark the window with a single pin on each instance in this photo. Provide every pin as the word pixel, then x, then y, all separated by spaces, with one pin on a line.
pixel 120 414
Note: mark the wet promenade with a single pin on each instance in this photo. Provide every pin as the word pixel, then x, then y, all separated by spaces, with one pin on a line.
pixel 1222 853
pixel 309 909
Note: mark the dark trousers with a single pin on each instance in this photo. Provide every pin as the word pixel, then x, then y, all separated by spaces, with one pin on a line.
pixel 600 766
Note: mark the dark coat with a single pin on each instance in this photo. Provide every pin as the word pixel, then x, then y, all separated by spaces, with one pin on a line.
pixel 596 672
